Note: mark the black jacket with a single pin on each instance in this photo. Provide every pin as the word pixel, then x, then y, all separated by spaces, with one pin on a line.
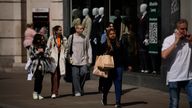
pixel 120 54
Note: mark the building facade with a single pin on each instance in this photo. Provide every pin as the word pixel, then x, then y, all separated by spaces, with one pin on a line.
pixel 15 14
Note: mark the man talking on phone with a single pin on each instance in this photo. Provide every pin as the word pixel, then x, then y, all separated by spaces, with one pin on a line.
pixel 177 50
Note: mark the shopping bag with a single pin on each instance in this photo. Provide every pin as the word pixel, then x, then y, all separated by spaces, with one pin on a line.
pixel 99 73
pixel 104 62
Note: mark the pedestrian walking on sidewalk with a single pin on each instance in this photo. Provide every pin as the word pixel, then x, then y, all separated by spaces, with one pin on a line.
pixel 80 59
pixel 119 52
pixel 57 43
pixel 29 35
pixel 177 50
pixel 38 67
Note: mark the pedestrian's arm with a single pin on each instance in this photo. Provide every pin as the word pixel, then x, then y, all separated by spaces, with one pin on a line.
pixel 166 52
pixel 33 53
pixel 49 43
pixel 69 47
pixel 189 38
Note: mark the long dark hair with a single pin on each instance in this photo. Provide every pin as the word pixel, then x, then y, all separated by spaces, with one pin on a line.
pixel 109 41
pixel 54 29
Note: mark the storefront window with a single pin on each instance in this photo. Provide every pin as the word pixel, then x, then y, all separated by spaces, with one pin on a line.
pixel 126 8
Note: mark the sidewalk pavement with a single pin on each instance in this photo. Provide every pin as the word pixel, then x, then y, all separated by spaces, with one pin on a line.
pixel 16 92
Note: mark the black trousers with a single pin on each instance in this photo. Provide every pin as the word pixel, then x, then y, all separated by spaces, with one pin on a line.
pixel 38 81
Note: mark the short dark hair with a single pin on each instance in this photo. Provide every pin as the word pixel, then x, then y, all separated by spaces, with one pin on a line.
pixel 38 40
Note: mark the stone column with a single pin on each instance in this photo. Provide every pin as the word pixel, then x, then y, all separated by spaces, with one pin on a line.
pixel 66 17
pixel 56 13
pixel 10 33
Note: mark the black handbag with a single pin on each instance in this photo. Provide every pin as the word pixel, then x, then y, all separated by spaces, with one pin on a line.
pixel 68 74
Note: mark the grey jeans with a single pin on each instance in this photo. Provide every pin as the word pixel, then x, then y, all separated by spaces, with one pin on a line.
pixel 78 78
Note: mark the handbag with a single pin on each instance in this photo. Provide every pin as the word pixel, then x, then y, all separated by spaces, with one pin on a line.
pixel 99 73
pixel 68 75
pixel 50 65
pixel 104 62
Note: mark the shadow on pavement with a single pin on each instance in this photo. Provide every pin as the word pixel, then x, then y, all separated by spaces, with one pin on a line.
pixel 134 103
pixel 91 93
pixel 129 103
pixel 128 90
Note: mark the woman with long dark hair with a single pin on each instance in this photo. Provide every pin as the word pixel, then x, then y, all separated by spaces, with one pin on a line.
pixel 119 52
pixel 57 43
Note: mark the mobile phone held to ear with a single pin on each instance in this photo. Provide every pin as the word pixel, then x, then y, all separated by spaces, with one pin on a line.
pixel 176 31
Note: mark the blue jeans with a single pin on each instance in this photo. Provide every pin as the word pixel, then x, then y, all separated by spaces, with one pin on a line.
pixel 174 92
pixel 116 76
pixel 118 84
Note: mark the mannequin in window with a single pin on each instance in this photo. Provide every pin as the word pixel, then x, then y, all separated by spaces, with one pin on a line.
pixel 75 19
pixel 102 22
pixel 101 11
pixel 87 23
pixel 117 22
pixel 95 33
pixel 142 39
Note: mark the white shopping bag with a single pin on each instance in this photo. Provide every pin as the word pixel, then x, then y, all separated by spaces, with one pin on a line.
pixel 29 76
pixel 28 64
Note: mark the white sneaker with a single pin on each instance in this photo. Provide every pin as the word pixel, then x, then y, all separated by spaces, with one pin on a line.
pixel 77 94
pixel 146 71
pixel 154 72
pixel 53 96
pixel 142 71
pixel 40 97
pixel 35 95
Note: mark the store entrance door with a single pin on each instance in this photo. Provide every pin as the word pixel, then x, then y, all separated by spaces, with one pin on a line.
pixel 41 19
